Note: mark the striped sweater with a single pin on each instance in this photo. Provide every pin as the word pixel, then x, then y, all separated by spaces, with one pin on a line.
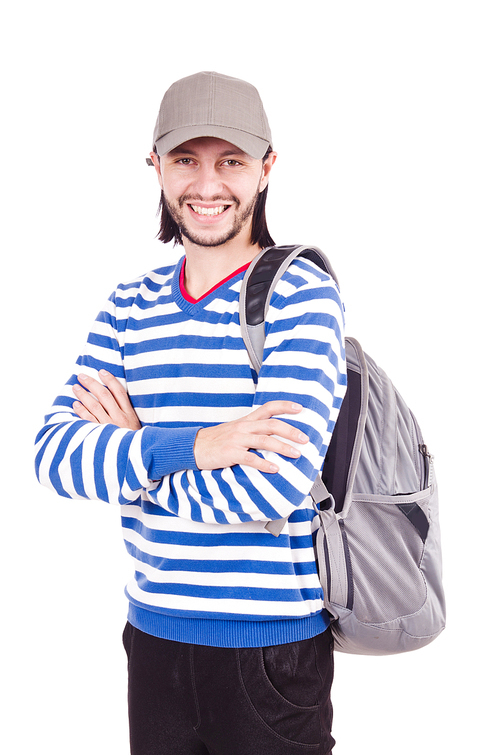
pixel 206 569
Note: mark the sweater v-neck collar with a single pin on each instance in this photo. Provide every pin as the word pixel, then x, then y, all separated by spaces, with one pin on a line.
pixel 186 301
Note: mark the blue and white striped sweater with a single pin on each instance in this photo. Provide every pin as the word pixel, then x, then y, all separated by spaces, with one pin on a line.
pixel 206 569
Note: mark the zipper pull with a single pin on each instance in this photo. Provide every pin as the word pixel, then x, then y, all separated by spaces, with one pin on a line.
pixel 428 460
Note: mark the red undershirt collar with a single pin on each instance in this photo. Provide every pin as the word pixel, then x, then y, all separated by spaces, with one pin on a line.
pixel 190 299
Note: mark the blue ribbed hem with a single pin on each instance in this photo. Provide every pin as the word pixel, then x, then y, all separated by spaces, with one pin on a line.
pixel 230 633
pixel 166 450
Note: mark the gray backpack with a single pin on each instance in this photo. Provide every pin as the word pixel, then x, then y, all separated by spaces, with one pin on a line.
pixel 378 547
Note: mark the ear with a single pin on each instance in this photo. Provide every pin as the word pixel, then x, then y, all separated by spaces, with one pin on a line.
pixel 266 170
pixel 156 162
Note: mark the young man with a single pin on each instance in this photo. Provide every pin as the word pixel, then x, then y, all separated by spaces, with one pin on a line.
pixel 227 638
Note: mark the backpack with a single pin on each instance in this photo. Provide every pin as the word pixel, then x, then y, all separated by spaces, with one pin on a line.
pixel 378 546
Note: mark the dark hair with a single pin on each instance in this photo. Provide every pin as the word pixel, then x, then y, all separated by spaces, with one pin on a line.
pixel 259 235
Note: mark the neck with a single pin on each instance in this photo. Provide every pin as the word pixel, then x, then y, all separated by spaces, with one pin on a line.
pixel 207 266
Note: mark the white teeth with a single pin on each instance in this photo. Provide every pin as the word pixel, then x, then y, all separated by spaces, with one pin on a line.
pixel 208 210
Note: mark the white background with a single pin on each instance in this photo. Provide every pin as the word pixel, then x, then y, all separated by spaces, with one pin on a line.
pixel 385 116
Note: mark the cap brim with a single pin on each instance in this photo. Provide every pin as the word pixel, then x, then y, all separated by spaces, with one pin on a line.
pixel 248 143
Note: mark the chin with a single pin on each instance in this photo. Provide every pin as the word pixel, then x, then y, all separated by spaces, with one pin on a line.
pixel 210 240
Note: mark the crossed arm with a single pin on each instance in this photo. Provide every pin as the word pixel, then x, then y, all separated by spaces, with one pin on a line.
pixel 216 447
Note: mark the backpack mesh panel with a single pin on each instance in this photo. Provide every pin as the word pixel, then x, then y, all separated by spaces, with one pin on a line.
pixel 385 551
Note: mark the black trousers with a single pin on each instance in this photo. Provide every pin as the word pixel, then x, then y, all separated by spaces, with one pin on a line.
pixel 197 700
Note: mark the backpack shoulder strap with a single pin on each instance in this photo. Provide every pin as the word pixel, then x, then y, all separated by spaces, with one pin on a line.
pixel 257 288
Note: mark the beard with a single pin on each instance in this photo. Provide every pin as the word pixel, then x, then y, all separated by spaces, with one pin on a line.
pixel 241 217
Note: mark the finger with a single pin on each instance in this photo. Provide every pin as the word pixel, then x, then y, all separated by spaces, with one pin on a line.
pixel 93 406
pixel 257 462
pixel 100 393
pixel 117 390
pixel 82 412
pixel 273 409
pixel 270 443
pixel 277 427
pixel 285 430
pixel 123 413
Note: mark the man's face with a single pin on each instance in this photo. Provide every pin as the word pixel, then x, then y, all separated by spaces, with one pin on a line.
pixel 210 187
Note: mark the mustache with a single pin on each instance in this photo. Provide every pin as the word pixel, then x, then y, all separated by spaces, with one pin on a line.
pixel 190 198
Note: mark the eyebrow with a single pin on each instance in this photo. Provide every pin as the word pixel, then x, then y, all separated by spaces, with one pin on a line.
pixel 186 151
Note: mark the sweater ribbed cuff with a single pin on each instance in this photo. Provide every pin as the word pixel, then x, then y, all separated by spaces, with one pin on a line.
pixel 166 450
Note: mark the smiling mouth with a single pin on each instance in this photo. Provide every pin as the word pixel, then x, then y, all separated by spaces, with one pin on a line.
pixel 209 210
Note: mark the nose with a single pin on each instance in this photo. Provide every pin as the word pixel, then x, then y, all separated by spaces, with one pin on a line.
pixel 207 183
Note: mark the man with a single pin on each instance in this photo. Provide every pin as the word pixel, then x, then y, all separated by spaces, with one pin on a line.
pixel 227 639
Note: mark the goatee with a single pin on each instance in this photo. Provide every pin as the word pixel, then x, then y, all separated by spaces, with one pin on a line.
pixel 241 217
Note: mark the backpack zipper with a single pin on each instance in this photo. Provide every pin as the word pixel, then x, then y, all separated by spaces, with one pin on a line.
pixel 427 459
pixel 348 565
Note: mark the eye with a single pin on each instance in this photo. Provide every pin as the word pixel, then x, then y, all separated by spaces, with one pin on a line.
pixel 232 162
pixel 185 161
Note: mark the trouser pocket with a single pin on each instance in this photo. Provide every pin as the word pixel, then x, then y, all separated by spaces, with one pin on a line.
pixel 289 687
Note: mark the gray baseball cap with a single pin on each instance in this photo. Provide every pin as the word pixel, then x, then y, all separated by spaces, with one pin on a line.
pixel 211 104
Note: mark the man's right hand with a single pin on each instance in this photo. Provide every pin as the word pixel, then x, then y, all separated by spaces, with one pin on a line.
pixel 231 442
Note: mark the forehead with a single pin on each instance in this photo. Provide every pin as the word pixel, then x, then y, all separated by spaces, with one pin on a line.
pixel 207 145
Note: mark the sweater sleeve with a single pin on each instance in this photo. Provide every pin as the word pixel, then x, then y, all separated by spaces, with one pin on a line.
pixel 304 361
pixel 81 459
